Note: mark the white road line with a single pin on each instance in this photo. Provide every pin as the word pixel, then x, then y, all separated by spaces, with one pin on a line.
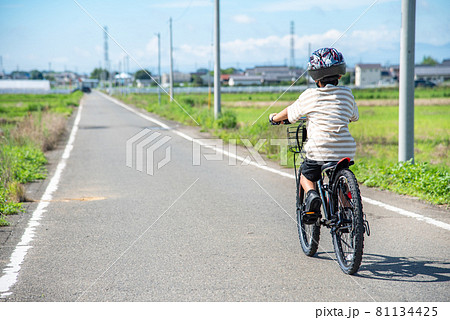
pixel 185 136
pixel 11 271
pixel 410 214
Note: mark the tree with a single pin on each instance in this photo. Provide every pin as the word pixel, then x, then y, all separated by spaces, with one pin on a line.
pixel 228 71
pixel 428 60
pixel 36 75
pixel 142 75
pixel 197 80
pixel 346 78
pixel 99 73
pixel 224 71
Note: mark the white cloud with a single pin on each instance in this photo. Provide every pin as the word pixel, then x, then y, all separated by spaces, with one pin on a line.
pixel 243 18
pixel 354 45
pixel 358 45
pixel 81 52
pixel 151 48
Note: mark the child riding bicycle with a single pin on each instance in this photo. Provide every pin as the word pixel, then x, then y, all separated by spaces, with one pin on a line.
pixel 328 110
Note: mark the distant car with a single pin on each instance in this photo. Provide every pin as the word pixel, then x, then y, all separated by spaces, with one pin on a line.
pixel 424 83
pixel 86 89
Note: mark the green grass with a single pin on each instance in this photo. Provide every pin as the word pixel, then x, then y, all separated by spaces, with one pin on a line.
pixel 16 106
pixel 29 125
pixel 376 134
pixel 422 180
pixel 392 93
pixel 360 94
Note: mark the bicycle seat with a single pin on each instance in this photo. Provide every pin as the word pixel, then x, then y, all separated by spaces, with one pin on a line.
pixel 327 166
pixel 331 165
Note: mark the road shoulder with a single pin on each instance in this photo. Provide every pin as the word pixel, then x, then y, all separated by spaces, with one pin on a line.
pixel 11 235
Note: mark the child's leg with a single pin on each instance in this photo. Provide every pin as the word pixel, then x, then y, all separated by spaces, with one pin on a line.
pixel 310 169
pixel 307 184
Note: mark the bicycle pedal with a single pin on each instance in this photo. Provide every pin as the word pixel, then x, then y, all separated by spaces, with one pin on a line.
pixel 310 217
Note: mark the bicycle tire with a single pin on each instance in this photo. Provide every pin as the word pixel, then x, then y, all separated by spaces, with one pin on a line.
pixel 348 239
pixel 309 234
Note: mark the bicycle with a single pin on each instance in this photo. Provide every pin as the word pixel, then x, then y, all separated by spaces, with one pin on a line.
pixel 341 204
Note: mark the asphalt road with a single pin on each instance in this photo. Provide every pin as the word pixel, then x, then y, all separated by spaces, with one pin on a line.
pixel 208 232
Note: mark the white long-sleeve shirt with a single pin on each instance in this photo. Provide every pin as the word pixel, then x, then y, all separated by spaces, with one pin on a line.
pixel 328 112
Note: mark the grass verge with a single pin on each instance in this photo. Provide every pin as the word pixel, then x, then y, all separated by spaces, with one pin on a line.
pixel 29 126
pixel 376 134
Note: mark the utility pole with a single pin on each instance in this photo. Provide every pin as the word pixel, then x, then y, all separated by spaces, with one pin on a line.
pixel 171 61
pixel 292 61
pixel 406 85
pixel 2 71
pixel 107 63
pixel 159 68
pixel 217 110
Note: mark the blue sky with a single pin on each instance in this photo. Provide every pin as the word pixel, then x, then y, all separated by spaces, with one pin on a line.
pixel 253 32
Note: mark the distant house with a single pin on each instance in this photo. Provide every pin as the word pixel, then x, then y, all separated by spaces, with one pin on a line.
pixel 142 83
pixel 123 79
pixel 395 71
pixel 262 70
pixel 437 73
pixel 225 78
pixel 207 79
pixel 178 77
pixel 367 74
pixel 275 74
pixel 64 78
pixel 244 80
pixel 87 83
pixel 20 75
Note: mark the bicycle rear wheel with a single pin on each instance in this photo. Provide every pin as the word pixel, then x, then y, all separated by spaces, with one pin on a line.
pixel 309 234
pixel 348 237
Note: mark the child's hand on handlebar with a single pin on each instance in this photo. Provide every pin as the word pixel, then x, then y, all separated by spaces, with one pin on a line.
pixel 272 122
pixel 275 123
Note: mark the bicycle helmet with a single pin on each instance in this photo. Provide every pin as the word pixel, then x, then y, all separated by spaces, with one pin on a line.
pixel 326 62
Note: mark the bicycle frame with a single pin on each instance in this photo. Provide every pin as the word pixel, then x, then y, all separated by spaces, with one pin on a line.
pixel 325 192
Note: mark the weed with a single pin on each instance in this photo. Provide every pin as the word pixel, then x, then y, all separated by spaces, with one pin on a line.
pixel 29 125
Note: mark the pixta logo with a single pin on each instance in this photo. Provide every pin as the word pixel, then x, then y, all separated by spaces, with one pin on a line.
pixel 141 150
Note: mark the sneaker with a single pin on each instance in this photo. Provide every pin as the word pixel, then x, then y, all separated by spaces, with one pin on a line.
pixel 312 207
pixel 313 201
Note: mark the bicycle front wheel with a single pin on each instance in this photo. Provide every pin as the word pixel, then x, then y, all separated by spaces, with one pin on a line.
pixel 309 234
pixel 348 237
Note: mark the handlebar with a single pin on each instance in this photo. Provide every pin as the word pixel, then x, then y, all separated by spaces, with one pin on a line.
pixel 275 123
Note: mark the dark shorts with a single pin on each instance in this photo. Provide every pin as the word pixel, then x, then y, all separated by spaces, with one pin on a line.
pixel 311 169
